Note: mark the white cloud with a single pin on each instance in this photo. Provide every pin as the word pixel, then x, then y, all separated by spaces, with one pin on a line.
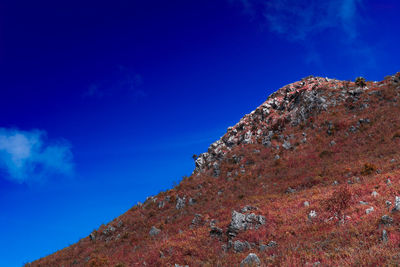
pixel 27 156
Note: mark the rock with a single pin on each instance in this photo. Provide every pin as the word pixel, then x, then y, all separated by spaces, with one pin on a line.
pixel 332 143
pixel 392 161
pixel 238 223
pixel 290 190
pixel 247 137
pixel 192 201
pixel 216 232
pixel 312 215
pixel 369 210
pixel 306 204
pixel 248 208
pixel 388 203
pixel 363 203
pixel 177 265
pixel 286 145
pixel 374 194
pixel 335 183
pixel 180 203
pixel 216 169
pixel 239 246
pixel 386 220
pixel 388 182
pixel 161 204
pixel 197 220
pixel 154 231
pixel 251 260
pixel 396 207
pixel 271 244
pixel 385 237
pixel 109 230
pixel 277 157
pixel 92 237
pixel 120 223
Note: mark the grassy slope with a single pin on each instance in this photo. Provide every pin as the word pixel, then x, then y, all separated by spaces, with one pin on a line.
pixel 310 168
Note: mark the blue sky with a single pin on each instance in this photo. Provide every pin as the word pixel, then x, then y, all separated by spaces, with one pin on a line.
pixel 104 104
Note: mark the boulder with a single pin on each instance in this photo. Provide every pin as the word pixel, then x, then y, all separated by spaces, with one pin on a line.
pixel 251 260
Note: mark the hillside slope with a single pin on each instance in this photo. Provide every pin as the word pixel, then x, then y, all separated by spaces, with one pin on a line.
pixel 309 178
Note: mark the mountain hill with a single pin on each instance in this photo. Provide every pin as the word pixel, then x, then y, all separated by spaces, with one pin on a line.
pixel 309 178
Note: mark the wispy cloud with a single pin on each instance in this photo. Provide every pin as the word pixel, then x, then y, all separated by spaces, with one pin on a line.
pixel 305 22
pixel 121 80
pixel 297 20
pixel 300 19
pixel 28 156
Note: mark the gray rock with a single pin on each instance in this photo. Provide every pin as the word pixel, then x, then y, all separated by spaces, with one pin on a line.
pixel 374 194
pixel 271 244
pixel 248 208
pixel 154 231
pixel 312 215
pixel 290 190
pixel 385 237
pixel 238 223
pixel 177 265
pixel 332 143
pixel 388 203
pixel 363 203
pixel 396 207
pixel 92 237
pixel 251 260
pixel 192 201
pixel 197 220
pixel 286 145
pixel 277 157
pixel 386 220
pixel 109 230
pixel 216 232
pixel 369 210
pixel 161 204
pixel 180 203
pixel 239 246
pixel 306 204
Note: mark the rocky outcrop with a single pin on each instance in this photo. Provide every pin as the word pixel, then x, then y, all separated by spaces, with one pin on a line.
pixel 293 104
pixel 241 222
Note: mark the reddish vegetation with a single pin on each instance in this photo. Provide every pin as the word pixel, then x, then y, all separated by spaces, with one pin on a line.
pixel 362 164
